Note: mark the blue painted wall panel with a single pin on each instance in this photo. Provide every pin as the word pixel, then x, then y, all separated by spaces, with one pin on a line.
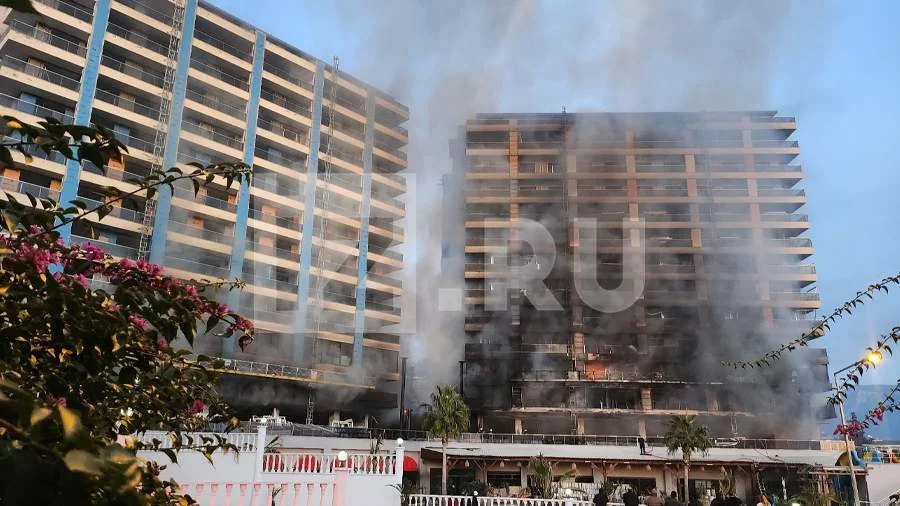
pixel 359 319
pixel 170 155
pixel 239 247
pixel 85 105
pixel 312 170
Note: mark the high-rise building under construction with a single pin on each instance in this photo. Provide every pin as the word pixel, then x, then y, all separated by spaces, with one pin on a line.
pixel 691 217
pixel 319 227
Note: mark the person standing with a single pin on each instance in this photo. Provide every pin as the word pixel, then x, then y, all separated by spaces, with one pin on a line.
pixel 601 499
pixel 654 499
pixel 630 498
pixel 733 500
pixel 719 500
pixel 642 444
pixel 672 500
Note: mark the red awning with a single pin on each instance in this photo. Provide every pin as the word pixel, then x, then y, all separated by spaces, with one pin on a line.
pixel 409 464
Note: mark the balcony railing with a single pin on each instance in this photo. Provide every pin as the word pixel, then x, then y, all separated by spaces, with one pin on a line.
pixel 280 159
pixel 792 242
pixel 799 296
pixel 219 74
pixel 381 278
pixel 792 269
pixel 48 37
pixel 200 233
pixel 145 9
pixel 283 317
pixel 212 135
pixel 662 192
pixel 135 142
pixel 214 103
pixel 269 282
pixel 271 250
pixel 775 144
pixel 124 103
pixel 784 217
pixel 293 190
pixel 138 38
pixel 782 192
pixel 224 46
pixel 291 105
pixel 288 77
pixel 14 185
pixel 196 267
pixel 40 72
pixel 34 109
pixel 133 71
pixel 116 250
pixel 287 133
pixel 291 222
pixel 117 211
pixel 122 175
pixel 299 372
pixel 70 9
pixel 205 199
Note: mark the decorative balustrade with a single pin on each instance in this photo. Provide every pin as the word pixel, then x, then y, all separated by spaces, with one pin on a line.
pixel 458 500
pixel 244 494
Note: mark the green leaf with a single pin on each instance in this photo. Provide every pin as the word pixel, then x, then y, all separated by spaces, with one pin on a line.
pixel 6 157
pixel 83 462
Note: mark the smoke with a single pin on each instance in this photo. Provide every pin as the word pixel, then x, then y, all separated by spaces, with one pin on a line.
pixel 450 60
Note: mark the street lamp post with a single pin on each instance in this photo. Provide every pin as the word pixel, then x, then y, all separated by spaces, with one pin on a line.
pixel 872 358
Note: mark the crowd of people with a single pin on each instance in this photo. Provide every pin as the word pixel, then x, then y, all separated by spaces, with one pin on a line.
pixel 655 498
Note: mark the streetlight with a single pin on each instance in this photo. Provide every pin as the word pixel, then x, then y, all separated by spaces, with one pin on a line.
pixel 872 358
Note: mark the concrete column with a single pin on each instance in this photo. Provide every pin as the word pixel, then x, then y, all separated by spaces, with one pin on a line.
pixel 579 426
pixel 646 399
pixel 642 428
pixel 260 448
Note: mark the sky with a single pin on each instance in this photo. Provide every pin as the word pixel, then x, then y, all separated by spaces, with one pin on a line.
pixel 835 66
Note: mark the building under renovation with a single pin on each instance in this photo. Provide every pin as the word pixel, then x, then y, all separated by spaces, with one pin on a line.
pixel 316 235
pixel 691 219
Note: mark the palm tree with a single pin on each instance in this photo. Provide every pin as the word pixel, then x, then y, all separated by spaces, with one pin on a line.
pixel 683 434
pixel 447 416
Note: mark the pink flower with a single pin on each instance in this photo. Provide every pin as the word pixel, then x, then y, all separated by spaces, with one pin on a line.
pixel 81 280
pixel 241 324
pixel 39 257
pixel 127 263
pixel 151 269
pixel 56 401
pixel 197 407
pixel 35 230
pixel 92 251
pixel 222 309
pixel 191 290
pixel 161 342
pixel 142 324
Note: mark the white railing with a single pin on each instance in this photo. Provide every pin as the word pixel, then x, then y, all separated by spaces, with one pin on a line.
pixel 459 500
pixel 257 476
pixel 246 494
pixel 244 441
pixel 360 464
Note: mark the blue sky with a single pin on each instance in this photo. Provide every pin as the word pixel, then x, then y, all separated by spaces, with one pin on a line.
pixel 835 66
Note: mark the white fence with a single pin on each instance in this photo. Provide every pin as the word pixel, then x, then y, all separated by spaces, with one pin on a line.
pixel 257 476
pixel 458 500
pixel 265 494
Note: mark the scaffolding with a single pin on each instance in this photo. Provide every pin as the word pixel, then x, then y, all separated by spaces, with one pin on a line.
pixel 326 192
pixel 165 104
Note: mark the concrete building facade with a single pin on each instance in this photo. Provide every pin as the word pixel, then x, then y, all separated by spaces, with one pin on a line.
pixel 315 235
pixel 695 214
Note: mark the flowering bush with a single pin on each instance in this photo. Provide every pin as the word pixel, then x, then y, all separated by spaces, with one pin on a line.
pixel 82 365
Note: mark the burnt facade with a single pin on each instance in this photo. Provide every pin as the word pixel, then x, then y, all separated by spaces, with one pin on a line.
pixel 696 214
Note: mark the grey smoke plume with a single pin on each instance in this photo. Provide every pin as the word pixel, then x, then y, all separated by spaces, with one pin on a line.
pixel 450 60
